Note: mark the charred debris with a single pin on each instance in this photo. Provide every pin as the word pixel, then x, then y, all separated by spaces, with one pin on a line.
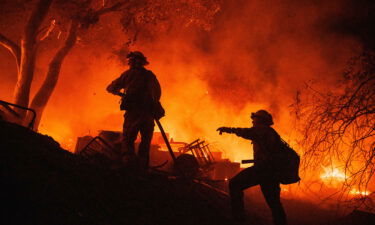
pixel 193 160
pixel 45 184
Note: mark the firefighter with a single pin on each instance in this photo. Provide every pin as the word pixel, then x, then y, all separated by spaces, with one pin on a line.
pixel 140 91
pixel 265 142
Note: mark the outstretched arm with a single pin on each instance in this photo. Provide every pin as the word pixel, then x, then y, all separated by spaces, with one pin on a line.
pixel 224 130
pixel 247 133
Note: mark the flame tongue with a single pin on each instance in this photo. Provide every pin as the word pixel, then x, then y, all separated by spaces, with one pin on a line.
pixel 333 174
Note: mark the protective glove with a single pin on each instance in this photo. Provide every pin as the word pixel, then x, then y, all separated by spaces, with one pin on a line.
pixel 224 130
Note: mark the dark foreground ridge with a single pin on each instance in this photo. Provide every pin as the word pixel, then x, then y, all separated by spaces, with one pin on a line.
pixel 42 183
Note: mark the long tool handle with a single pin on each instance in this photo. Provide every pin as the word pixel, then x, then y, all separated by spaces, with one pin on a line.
pixel 247 161
pixel 166 140
pixel 181 171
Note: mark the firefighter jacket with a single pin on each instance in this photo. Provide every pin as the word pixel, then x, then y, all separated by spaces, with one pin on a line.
pixel 140 86
pixel 265 141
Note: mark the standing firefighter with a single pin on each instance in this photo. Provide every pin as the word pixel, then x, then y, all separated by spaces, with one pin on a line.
pixel 265 144
pixel 140 99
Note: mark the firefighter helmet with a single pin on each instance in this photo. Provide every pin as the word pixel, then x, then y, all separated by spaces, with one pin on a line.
pixel 139 55
pixel 265 116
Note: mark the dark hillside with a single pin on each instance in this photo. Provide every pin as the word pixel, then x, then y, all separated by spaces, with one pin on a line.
pixel 44 184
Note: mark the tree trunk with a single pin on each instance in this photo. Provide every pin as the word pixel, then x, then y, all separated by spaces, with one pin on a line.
pixel 45 91
pixel 28 54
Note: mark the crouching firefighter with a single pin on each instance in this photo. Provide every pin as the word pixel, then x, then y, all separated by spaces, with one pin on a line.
pixel 140 91
pixel 265 142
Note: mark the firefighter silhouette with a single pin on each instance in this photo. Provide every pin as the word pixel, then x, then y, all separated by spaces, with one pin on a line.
pixel 140 91
pixel 265 142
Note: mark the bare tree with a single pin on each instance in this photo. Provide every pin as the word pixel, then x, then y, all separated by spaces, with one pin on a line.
pixel 136 16
pixel 83 19
pixel 26 53
pixel 338 126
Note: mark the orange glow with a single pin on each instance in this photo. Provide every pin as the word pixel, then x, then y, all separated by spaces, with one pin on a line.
pixel 332 174
pixel 208 80
pixel 203 87
pixel 357 192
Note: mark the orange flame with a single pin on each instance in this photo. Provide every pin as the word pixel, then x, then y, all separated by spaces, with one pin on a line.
pixel 358 192
pixel 333 174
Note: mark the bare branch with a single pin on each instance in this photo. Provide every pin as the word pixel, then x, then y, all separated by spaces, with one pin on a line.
pixel 89 16
pixel 338 128
pixel 43 95
pixel 47 30
pixel 12 47
pixel 28 53
pixel 36 19
pixel 59 34
pixel 115 7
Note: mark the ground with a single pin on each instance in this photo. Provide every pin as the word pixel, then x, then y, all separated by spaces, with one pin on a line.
pixel 41 183
pixel 44 184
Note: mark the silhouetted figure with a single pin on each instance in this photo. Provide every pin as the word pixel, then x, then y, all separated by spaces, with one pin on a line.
pixel 265 143
pixel 140 98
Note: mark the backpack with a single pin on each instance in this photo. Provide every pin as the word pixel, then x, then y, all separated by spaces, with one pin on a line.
pixel 287 164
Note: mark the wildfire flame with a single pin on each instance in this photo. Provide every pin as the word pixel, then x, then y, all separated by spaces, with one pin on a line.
pixel 358 192
pixel 332 174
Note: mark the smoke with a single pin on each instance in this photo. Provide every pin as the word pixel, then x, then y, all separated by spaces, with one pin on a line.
pixel 258 54
pixel 266 49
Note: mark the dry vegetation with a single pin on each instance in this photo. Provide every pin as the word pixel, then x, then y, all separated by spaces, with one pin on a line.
pixel 338 127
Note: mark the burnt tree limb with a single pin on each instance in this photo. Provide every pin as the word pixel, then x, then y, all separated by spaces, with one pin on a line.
pixel 12 47
pixel 44 93
pixel 28 54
